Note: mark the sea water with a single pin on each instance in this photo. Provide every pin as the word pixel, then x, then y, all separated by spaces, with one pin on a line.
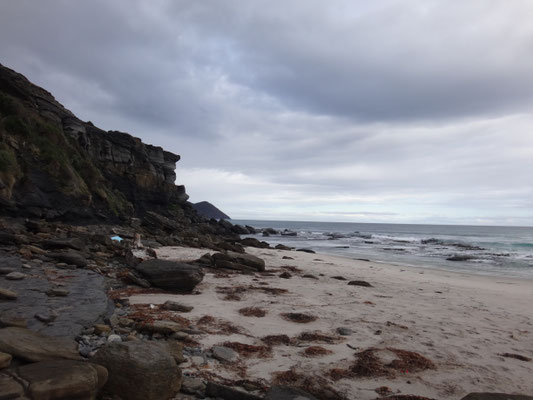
pixel 488 250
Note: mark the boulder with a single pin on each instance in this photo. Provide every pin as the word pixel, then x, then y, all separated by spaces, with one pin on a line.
pixel 72 257
pixel 224 354
pixel 139 371
pixel 10 388
pixel 33 346
pixel 306 251
pixel 63 379
pixel 253 242
pixel 287 393
pixel 360 283
pixel 228 393
pixel 496 396
pixel 240 230
pixel 247 260
pixel 171 275
pixel 282 247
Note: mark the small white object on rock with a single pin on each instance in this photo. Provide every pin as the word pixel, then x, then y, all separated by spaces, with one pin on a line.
pixel 114 338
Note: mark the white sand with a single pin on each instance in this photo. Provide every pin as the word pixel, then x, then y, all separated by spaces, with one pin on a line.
pixel 461 322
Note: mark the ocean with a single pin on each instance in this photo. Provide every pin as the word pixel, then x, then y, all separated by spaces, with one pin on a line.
pixel 486 250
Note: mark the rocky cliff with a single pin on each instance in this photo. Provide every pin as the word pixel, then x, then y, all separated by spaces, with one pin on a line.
pixel 55 166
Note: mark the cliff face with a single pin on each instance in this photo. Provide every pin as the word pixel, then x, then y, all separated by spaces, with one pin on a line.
pixel 54 165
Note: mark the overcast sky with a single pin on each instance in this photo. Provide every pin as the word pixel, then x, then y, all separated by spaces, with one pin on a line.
pixel 416 111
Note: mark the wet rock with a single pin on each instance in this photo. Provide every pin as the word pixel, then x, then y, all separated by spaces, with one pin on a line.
pixel 33 346
pixel 192 385
pixel 224 354
pixel 68 243
pixel 360 283
pixel 6 294
pixel 287 393
pixel 137 280
pixel 5 360
pixel 57 292
pixel 63 379
pixel 139 371
pixel 70 257
pixel 100 329
pixel 285 275
pixel 343 331
pixel 286 232
pixel 460 257
pixel 6 270
pixel 228 393
pixel 161 327
pixel 175 349
pixel 496 396
pixel 10 388
pixel 6 320
pixel 310 276
pixel 283 247
pixel 307 251
pixel 15 276
pixel 46 318
pixel 175 306
pixel 170 275
pixel 114 338
pixel 287 258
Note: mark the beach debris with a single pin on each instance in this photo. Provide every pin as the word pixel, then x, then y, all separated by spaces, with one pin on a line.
pixel 285 275
pixel 252 312
pixel 273 340
pixel 315 351
pixel 383 390
pixel 218 326
pixel 516 356
pixel 287 258
pixel 318 337
pixel 379 362
pixel 116 238
pixel 248 350
pixel 460 257
pixel 300 318
pixel 339 278
pixel 310 276
pixel 313 384
pixel 496 396
pixel 359 283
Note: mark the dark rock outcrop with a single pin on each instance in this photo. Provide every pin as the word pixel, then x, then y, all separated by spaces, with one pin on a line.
pixel 54 165
pixel 496 396
pixel 208 210
pixel 170 275
pixel 287 393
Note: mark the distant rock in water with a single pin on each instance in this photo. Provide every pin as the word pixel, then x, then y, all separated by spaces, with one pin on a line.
pixel 208 210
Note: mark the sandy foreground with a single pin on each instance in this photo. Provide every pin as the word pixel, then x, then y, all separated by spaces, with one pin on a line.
pixel 461 323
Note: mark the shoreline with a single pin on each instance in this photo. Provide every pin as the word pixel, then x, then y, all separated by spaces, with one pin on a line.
pixel 463 323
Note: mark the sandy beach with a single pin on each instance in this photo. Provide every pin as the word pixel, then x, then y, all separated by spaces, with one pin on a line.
pixel 414 331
